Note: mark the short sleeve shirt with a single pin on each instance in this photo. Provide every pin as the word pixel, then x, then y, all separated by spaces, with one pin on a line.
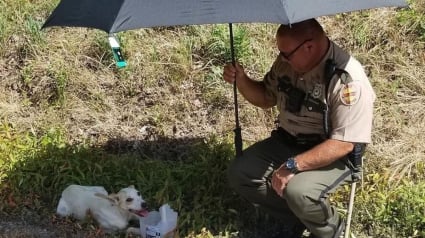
pixel 349 99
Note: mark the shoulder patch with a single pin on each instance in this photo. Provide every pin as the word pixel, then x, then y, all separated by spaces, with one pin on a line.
pixel 349 93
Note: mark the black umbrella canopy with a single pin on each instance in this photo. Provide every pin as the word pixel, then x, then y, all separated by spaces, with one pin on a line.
pixel 93 14
pixel 120 15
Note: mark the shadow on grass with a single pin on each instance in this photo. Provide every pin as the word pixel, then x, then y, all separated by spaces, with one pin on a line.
pixel 189 174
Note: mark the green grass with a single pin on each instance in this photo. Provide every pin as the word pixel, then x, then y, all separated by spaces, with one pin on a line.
pixel 194 185
pixel 35 169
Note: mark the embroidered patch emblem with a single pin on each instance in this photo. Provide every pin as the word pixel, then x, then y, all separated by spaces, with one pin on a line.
pixel 349 94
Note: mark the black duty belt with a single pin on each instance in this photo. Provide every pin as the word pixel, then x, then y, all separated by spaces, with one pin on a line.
pixel 305 140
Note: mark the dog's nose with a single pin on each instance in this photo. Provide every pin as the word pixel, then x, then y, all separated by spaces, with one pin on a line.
pixel 144 205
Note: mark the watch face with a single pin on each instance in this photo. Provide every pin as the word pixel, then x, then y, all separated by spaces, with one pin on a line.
pixel 290 164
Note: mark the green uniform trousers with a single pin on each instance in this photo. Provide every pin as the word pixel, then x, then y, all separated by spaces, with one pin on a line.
pixel 306 198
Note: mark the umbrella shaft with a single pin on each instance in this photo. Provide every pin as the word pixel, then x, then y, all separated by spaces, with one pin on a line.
pixel 238 134
pixel 232 54
pixel 232 44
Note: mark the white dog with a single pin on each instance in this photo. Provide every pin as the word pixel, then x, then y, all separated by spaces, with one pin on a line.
pixel 112 212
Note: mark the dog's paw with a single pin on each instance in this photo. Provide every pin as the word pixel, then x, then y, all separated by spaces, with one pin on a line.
pixel 63 209
pixel 133 231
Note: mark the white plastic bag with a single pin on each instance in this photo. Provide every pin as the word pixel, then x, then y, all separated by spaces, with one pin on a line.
pixel 160 224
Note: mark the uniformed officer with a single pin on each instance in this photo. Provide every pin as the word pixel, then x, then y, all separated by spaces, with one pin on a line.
pixel 325 102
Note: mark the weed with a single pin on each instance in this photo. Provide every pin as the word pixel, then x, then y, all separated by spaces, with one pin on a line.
pixel 219 45
pixel 33 26
pixel 396 209
pixel 405 209
pixel 3 30
pixel 414 19
pixel 61 78
pixel 215 91
pixel 360 32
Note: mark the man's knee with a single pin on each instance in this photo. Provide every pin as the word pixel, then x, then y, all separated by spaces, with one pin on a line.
pixel 300 198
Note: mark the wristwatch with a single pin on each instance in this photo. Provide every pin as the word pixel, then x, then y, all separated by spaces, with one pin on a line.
pixel 291 165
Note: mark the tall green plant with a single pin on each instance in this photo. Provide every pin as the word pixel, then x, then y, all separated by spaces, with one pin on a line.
pixel 219 44
pixel 32 27
pixel 405 209
pixel 385 209
pixel 413 18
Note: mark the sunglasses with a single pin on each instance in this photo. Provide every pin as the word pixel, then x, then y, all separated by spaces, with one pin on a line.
pixel 287 56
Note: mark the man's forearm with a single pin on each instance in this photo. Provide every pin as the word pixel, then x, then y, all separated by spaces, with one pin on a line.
pixel 323 154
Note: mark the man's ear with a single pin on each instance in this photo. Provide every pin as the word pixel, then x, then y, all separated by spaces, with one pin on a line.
pixel 309 45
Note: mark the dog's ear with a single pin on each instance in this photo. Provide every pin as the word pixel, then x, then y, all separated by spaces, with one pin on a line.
pixel 108 197
pixel 131 186
pixel 114 197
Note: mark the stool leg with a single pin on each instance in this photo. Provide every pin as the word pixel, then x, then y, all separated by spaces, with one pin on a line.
pixel 350 210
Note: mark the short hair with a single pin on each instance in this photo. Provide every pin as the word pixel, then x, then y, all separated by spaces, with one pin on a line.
pixel 310 28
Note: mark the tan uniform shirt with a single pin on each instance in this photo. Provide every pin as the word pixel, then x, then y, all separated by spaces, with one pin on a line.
pixel 350 102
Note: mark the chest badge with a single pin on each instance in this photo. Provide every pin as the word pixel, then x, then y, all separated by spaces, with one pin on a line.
pixel 317 91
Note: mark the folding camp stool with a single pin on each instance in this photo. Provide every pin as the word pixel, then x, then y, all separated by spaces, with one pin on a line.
pixel 351 204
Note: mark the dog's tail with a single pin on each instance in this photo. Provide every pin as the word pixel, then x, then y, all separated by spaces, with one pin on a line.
pixel 63 209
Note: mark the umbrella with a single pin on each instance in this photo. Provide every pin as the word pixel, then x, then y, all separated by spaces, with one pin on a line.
pixel 114 16
pixel 120 15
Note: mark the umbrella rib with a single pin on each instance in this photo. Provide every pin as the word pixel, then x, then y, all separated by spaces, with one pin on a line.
pixel 285 9
pixel 121 23
pixel 114 26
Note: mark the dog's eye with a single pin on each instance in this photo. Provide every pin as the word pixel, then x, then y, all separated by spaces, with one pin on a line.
pixel 138 194
pixel 129 200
